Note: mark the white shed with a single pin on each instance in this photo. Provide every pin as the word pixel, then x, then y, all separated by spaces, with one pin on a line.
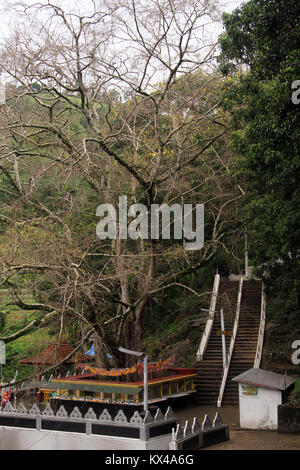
pixel 260 393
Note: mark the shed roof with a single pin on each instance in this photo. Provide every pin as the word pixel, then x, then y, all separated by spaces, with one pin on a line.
pixel 55 353
pixel 265 379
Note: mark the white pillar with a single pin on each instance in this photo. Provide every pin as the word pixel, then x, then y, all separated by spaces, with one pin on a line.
pixel 145 384
pixel 223 338
pixel 246 256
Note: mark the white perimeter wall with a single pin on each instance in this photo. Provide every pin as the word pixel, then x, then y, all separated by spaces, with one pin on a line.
pixel 259 412
pixel 29 439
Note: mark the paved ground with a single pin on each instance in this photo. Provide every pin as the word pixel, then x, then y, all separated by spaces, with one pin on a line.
pixel 240 439
pixel 258 440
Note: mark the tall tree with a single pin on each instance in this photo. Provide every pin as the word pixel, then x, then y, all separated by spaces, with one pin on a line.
pixel 116 101
pixel 261 58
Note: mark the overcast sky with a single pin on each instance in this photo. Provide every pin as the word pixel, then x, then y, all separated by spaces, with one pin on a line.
pixel 8 17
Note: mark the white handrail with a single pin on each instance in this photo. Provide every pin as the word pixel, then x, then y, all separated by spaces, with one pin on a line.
pixel 261 332
pixel 232 342
pixel 210 321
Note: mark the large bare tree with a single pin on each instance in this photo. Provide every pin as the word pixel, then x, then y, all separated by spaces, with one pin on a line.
pixel 119 99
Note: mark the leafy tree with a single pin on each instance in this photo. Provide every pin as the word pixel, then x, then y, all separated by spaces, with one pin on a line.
pixel 262 34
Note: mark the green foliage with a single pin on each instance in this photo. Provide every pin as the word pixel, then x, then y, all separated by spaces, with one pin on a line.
pixel 296 393
pixel 266 136
pixel 167 326
pixel 2 319
pixel 13 318
pixel 261 34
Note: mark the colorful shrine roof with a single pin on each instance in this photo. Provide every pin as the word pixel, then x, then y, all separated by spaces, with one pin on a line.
pixel 94 383
pixel 171 373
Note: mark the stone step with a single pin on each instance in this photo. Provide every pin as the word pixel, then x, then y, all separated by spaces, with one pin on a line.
pixel 210 373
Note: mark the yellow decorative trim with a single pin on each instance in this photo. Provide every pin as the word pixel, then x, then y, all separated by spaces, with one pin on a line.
pixel 125 384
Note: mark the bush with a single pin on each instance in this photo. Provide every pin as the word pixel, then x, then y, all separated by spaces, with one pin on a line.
pixel 296 393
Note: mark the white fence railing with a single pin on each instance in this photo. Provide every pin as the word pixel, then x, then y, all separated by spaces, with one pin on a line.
pixel 196 436
pixel 232 342
pixel 260 338
pixel 261 332
pixel 210 321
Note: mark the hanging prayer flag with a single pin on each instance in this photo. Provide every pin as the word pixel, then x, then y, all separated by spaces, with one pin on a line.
pixel 139 367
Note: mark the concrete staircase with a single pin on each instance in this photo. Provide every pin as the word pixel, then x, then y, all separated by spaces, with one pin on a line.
pixel 244 351
pixel 210 369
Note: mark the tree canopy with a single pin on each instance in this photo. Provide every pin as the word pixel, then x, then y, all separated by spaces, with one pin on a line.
pixel 261 59
pixel 101 105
